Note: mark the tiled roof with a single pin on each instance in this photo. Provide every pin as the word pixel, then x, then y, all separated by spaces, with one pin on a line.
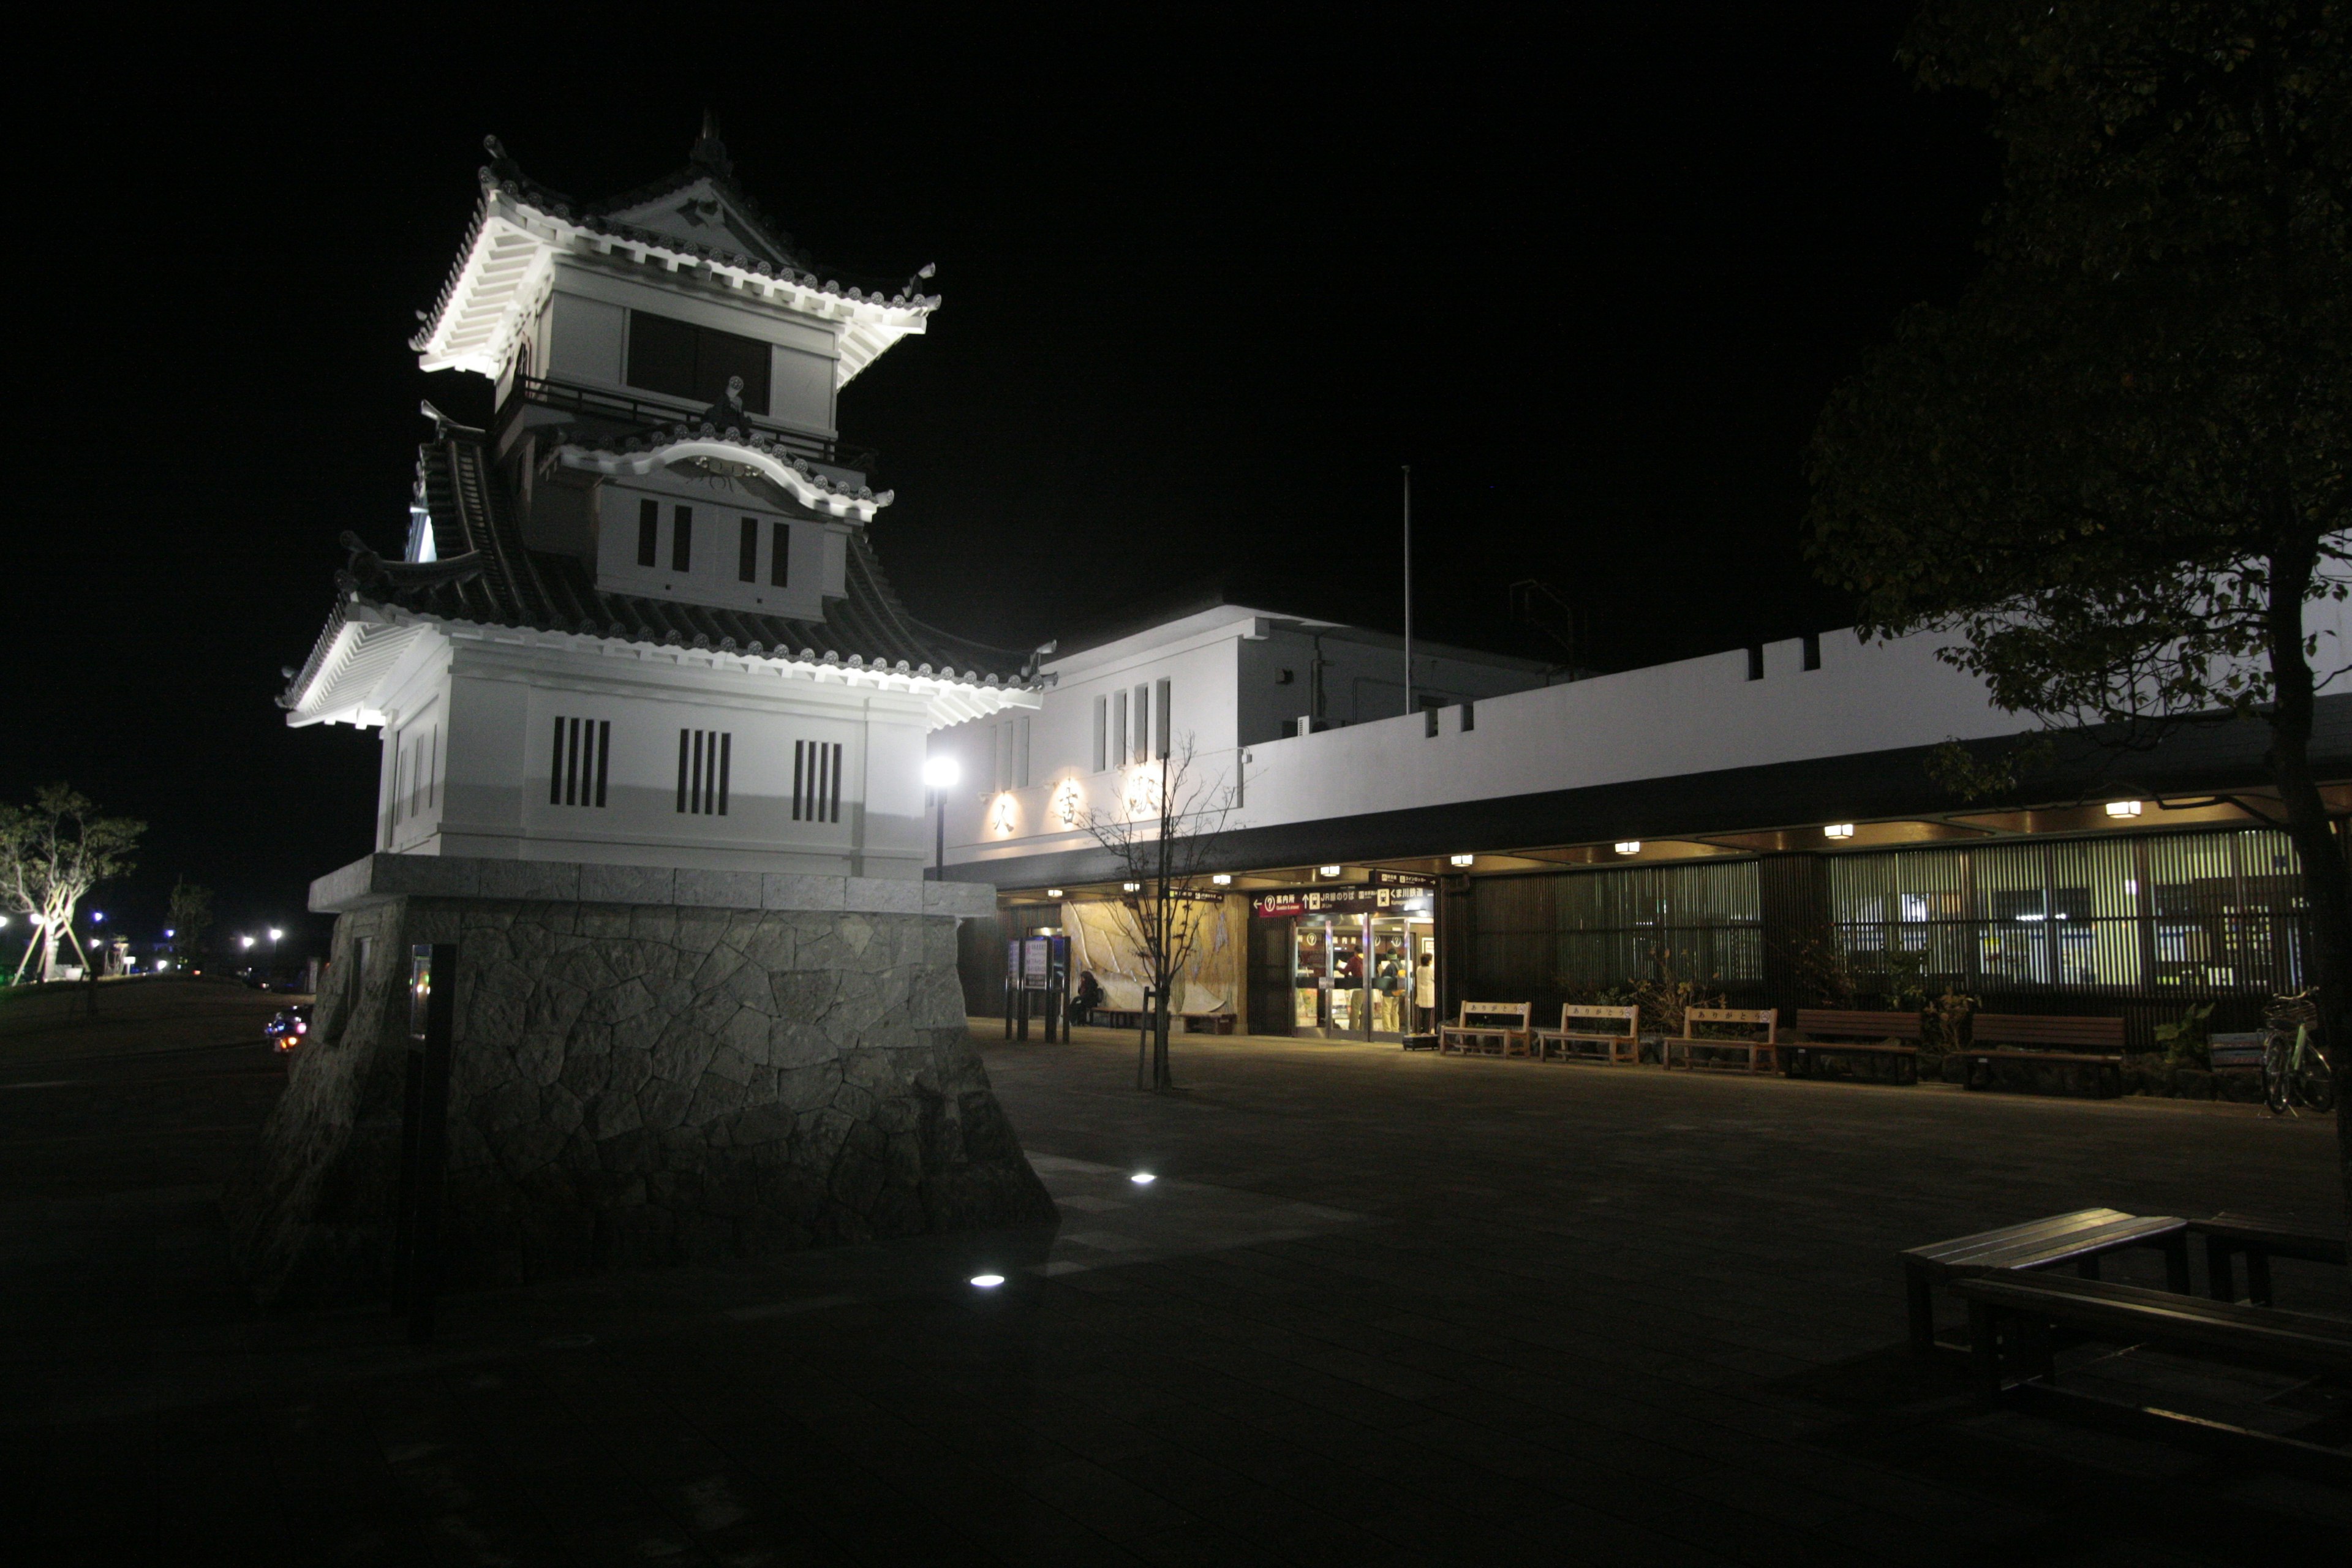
pixel 470 513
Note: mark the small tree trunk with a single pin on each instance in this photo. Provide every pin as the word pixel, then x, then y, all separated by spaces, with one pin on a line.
pixel 2327 884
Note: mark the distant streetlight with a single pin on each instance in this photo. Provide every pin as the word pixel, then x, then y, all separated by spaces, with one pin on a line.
pixel 940 774
pixel 169 934
pixel 247 941
pixel 97 917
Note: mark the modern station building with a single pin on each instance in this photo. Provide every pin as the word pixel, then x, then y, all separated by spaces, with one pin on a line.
pixel 1762 821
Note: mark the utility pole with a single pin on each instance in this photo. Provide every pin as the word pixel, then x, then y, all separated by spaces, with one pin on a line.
pixel 1408 590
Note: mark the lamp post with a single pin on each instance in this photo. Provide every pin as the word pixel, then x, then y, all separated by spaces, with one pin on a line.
pixel 940 774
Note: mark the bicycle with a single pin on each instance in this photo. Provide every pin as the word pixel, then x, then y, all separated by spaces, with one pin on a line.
pixel 2295 1069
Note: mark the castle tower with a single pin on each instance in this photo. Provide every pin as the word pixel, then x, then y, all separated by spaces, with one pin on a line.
pixel 653 727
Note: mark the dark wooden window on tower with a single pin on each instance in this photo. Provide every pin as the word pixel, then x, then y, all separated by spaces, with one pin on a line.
pixel 579 765
pixel 682 538
pixel 779 555
pixel 748 562
pixel 649 533
pixel 704 760
pixel 816 780
pixel 682 360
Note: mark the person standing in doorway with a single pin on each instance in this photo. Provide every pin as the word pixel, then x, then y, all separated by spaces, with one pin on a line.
pixel 1425 992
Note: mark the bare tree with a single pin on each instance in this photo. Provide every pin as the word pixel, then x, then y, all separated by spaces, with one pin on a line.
pixel 52 854
pixel 1163 832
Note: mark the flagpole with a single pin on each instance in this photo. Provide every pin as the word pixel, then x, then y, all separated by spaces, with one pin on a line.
pixel 1408 590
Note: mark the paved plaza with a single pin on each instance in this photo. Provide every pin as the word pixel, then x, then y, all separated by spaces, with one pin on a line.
pixel 1376 1308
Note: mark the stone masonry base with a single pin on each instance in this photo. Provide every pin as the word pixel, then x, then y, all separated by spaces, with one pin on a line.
pixel 632 1085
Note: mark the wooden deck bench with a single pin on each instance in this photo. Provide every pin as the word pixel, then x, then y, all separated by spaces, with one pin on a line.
pixel 2080 1239
pixel 2094 1043
pixel 1488 1029
pixel 2015 1313
pixel 1590 1043
pixel 1871 1037
pixel 1761 1055
pixel 2230 1235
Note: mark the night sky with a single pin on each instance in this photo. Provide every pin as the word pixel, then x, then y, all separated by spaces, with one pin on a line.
pixel 1206 287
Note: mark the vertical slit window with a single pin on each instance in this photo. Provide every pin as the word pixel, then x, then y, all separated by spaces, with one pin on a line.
pixel 1813 650
pixel 779 555
pixel 682 538
pixel 1118 726
pixel 1139 739
pixel 1101 756
pixel 1160 717
pixel 555 768
pixel 1756 662
pixel 648 533
pixel 816 780
pixel 747 566
pixel 571 764
pixel 603 755
pixel 705 759
pixel 577 762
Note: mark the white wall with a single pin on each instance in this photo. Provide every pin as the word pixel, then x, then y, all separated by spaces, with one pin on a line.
pixel 1695 716
pixel 487 714
pixel 584 337
pixel 713 575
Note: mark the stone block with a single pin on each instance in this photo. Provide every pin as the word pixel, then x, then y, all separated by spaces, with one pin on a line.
pixel 626 885
pixel 876 896
pixel 542 880
pixel 718 890
pixel 965 900
pixel 792 891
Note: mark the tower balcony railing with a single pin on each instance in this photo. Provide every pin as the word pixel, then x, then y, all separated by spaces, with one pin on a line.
pixel 637 416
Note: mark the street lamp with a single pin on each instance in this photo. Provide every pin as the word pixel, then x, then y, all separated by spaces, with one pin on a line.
pixel 940 774
pixel 248 942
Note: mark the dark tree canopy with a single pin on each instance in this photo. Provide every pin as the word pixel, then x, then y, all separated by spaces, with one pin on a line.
pixel 2116 470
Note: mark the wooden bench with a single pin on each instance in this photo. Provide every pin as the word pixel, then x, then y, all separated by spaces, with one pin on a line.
pixel 2236 1052
pixel 1871 1033
pixel 1572 1044
pixel 2016 1312
pixel 2080 1238
pixel 2228 1236
pixel 1488 1029
pixel 1761 1055
pixel 2095 1043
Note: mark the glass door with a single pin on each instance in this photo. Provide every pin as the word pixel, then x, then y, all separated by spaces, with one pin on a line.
pixel 1310 976
pixel 1392 978
pixel 1349 1016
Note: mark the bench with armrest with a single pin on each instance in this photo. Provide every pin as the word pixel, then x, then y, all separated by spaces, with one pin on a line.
pixel 2080 1239
pixel 2095 1043
pixel 2015 1313
pixel 1581 1035
pixel 1758 1053
pixel 2258 1239
pixel 1869 1035
pixel 1489 1029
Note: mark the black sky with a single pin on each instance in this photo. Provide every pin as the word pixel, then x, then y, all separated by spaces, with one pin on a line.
pixel 1207 284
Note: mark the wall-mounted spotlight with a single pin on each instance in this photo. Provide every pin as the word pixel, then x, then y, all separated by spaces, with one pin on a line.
pixel 1330 871
pixel 1133 887
pixel 2122 808
pixel 1462 859
pixel 1838 830
pixel 1629 847
pixel 1222 878
pixel 1052 892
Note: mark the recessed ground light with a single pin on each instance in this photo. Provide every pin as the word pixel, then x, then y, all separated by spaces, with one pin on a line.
pixel 1052 892
pixel 1222 878
pixel 1143 1178
pixel 988 1281
pixel 2122 808
pixel 1330 870
pixel 1629 847
pixel 1462 859
pixel 1838 830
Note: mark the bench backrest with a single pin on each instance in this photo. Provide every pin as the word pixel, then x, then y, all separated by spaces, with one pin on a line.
pixel 1870 1025
pixel 2042 1029
pixel 2236 1050
pixel 1765 1018
pixel 1573 1013
pixel 1496 1014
